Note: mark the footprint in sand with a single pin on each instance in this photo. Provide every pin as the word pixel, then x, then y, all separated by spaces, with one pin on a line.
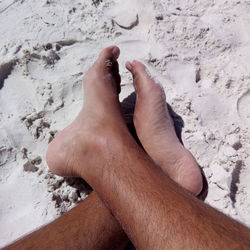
pixel 125 21
pixel 130 14
pixel 243 107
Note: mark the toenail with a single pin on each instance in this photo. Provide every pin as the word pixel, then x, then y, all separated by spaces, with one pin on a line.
pixel 116 52
pixel 129 66
pixel 133 62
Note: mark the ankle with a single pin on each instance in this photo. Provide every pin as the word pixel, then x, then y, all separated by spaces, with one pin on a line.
pixel 102 151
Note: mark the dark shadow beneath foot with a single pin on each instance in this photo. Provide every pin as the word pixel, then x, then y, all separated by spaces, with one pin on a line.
pixel 79 184
pixel 203 194
pixel 128 107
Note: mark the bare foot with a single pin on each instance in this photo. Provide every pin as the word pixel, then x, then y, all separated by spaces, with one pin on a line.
pixel 100 119
pixel 98 122
pixel 155 130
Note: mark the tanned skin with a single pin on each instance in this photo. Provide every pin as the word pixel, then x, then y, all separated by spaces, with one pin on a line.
pixel 89 225
pixel 154 211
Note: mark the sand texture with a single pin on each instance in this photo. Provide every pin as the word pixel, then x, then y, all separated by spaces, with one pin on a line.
pixel 198 49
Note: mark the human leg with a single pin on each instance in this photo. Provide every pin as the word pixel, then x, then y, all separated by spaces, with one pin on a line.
pixel 89 225
pixel 153 210
pixel 65 141
pixel 111 132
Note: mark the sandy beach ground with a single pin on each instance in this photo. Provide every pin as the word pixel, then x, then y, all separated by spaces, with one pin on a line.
pixel 198 49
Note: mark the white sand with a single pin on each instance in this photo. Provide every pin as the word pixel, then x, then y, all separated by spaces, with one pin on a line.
pixel 199 50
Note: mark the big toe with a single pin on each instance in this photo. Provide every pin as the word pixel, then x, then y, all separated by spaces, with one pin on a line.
pixel 107 64
pixel 144 84
pixel 110 53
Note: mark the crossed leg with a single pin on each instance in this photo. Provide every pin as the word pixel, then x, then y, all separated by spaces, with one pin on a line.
pixel 101 132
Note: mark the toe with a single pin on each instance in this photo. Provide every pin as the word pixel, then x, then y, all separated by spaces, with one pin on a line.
pixel 142 79
pixel 107 60
pixel 107 64
pixel 143 82
pixel 110 53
